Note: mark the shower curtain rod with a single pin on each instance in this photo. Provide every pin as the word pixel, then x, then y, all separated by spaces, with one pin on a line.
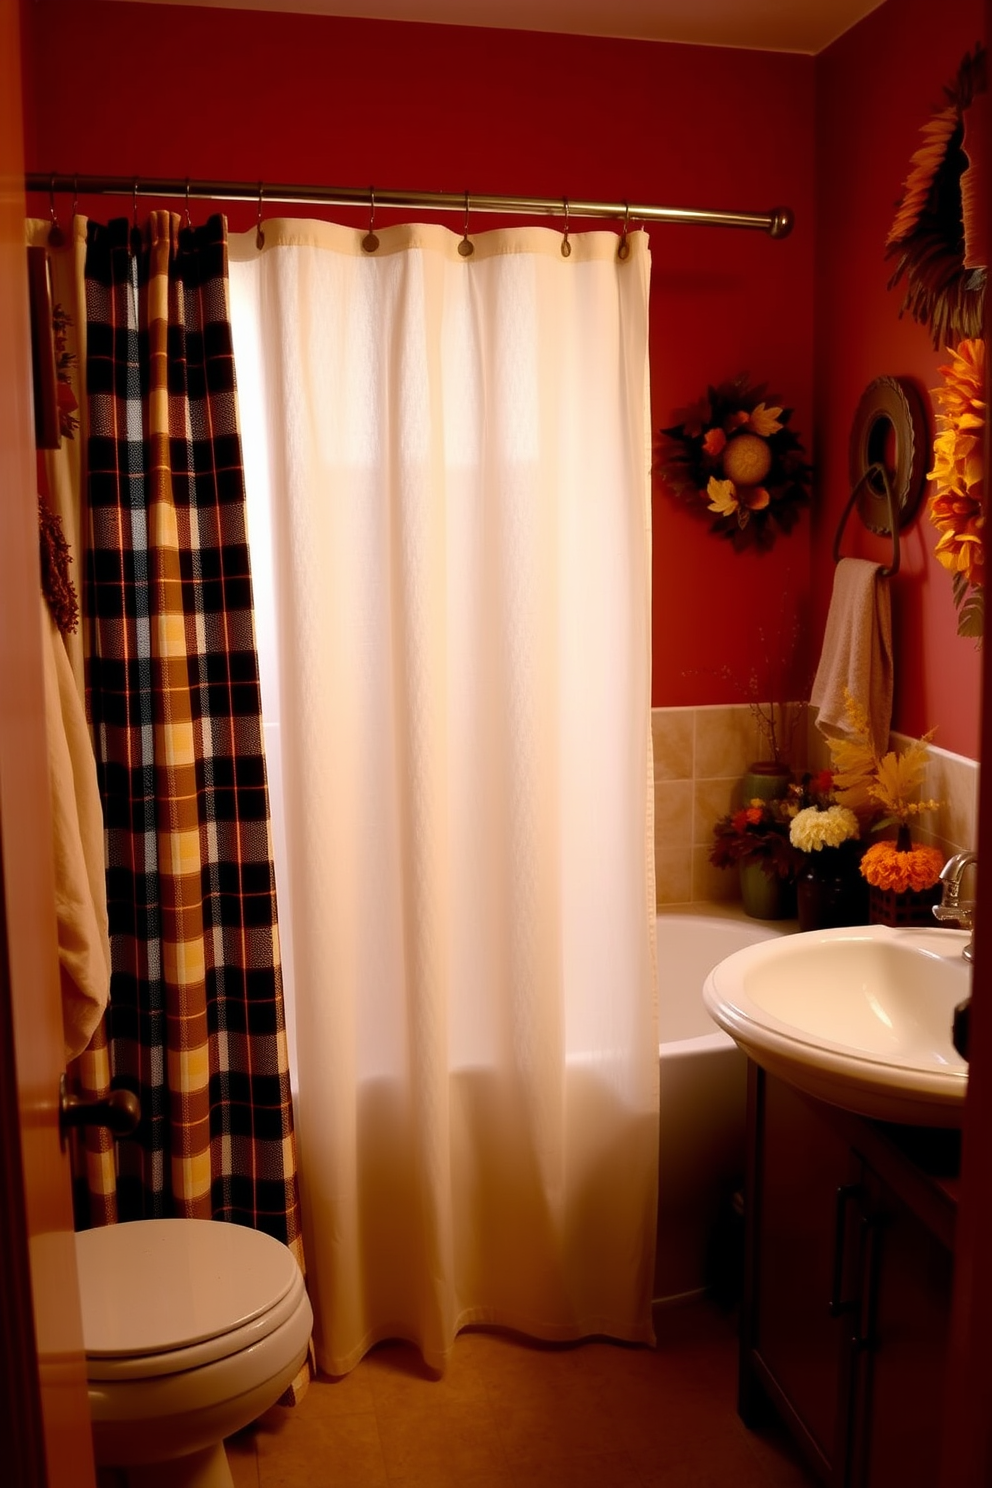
pixel 777 222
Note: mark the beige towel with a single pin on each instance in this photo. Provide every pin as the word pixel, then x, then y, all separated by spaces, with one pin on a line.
pixel 857 652
pixel 77 836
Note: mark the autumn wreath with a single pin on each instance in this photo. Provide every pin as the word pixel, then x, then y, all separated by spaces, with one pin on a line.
pixel 733 457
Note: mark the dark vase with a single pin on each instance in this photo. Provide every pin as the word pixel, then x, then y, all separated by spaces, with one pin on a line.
pixel 830 890
pixel 766 896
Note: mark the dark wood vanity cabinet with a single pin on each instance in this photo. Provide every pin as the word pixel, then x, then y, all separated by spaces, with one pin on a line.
pixel 847 1289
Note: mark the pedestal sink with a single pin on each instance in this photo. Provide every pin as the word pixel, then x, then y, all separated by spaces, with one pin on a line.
pixel 859 1017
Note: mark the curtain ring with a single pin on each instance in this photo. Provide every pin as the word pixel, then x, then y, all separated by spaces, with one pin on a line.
pixel 370 242
pixel 623 251
pixel 188 222
pixel 566 246
pixel 56 237
pixel 259 234
pixel 466 248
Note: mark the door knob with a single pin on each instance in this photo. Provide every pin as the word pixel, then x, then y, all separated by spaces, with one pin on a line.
pixel 119 1111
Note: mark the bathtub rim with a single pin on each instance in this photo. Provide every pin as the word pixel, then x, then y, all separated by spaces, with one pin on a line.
pixel 729 912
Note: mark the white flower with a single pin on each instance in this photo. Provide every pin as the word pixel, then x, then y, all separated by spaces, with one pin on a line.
pixel 812 829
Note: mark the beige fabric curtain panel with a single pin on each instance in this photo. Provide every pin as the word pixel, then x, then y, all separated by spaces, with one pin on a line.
pixel 447 461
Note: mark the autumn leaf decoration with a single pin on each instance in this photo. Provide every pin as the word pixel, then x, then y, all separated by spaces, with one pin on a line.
pixel 871 784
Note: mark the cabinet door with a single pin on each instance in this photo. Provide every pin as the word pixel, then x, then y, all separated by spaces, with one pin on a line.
pixel 801 1201
pixel 899 1347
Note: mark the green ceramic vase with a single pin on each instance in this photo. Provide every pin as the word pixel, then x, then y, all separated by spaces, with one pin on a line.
pixel 768 780
pixel 765 896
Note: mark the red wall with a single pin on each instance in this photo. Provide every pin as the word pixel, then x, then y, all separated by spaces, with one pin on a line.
pixel 177 92
pixel 876 87
pixel 160 91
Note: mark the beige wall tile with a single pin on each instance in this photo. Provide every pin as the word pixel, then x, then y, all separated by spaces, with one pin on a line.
pixel 713 799
pixel 712 884
pixel 726 741
pixel 672 731
pixel 672 813
pixel 954 782
pixel 673 875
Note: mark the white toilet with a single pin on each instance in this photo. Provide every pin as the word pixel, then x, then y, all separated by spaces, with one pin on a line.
pixel 192 1328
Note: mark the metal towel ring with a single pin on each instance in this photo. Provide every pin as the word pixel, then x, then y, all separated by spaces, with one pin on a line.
pixel 876 474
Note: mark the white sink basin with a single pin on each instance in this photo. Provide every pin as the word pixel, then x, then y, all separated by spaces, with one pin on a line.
pixel 860 1017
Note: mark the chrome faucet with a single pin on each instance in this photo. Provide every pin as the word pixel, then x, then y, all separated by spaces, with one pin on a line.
pixel 952 906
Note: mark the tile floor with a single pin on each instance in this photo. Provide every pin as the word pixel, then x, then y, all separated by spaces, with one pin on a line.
pixel 596 1415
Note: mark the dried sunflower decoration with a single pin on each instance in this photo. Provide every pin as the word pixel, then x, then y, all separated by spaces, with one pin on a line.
pixel 938 238
pixel 957 503
pixel 733 457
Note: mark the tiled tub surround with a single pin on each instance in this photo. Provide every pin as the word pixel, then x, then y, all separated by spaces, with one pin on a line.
pixel 700 755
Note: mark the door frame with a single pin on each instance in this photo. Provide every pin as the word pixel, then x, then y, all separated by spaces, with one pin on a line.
pixel 44 1408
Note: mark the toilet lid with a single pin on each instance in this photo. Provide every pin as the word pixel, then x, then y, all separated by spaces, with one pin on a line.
pixel 154 1287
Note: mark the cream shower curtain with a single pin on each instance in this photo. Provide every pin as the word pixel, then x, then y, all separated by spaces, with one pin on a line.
pixel 448 466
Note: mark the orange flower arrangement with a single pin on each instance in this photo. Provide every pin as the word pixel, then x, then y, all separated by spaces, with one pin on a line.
pixel 758 833
pixel 888 866
pixel 957 505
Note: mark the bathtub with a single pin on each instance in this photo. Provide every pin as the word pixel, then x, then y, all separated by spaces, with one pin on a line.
pixel 702 1095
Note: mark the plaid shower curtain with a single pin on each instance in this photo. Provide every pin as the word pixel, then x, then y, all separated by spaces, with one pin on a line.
pixel 195 1023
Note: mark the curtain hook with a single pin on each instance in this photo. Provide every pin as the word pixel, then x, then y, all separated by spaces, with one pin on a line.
pixel 75 194
pixel 623 250
pixel 134 217
pixel 465 248
pixel 370 242
pixel 56 237
pixel 259 234
pixel 566 246
pixel 188 222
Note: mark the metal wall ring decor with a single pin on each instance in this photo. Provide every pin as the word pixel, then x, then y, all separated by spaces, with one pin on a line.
pixel 889 430
pixel 938 238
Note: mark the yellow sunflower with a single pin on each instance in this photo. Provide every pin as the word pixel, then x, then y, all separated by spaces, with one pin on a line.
pixel 957 505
